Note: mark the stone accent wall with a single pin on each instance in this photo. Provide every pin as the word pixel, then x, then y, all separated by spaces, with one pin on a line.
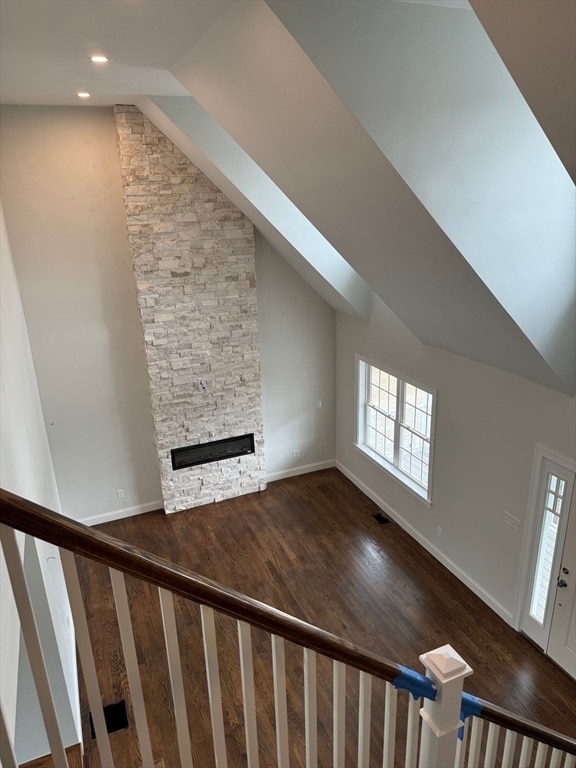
pixel 193 255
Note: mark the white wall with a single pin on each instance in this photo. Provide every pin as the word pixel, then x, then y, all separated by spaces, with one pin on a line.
pixel 15 361
pixel 487 425
pixel 63 199
pixel 297 359
pixel 26 469
pixel 63 202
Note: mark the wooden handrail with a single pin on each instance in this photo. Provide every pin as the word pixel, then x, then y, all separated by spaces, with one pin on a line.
pixel 31 518
pixel 513 722
pixel 40 522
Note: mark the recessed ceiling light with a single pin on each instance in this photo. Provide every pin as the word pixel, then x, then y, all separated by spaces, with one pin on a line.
pixel 99 59
pixel 83 94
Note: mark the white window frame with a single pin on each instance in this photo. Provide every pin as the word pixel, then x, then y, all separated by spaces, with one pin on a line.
pixel 363 364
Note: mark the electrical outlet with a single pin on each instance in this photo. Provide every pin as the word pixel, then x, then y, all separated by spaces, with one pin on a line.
pixel 296 453
pixel 120 493
pixel 439 532
pixel 512 521
pixel 318 403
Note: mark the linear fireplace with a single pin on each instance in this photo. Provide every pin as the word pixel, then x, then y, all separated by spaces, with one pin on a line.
pixel 229 448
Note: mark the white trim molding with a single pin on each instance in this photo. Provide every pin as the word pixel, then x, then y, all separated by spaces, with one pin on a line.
pixel 120 514
pixel 302 470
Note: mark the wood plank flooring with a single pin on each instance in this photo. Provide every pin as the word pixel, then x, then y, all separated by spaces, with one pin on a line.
pixel 73 755
pixel 309 546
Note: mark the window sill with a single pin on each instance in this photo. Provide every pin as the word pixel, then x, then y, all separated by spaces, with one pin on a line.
pixel 395 474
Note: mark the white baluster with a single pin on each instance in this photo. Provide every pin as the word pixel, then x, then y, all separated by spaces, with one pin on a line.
pixel 509 747
pixel 412 732
pixel 364 710
pixel 390 708
pixel 86 655
pixel 441 716
pixel 213 677
pixel 33 645
pixel 461 747
pixel 475 742
pixel 570 761
pixel 175 671
pixel 556 758
pixel 279 672
pixel 248 696
pixel 339 675
pixel 310 708
pixel 132 669
pixel 526 752
pixel 541 754
pixel 491 745
pixel 7 756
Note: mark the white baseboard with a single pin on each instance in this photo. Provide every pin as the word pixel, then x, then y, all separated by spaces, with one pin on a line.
pixel 119 514
pixel 486 597
pixel 293 471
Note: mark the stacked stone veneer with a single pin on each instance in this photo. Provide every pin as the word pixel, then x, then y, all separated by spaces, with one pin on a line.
pixel 193 256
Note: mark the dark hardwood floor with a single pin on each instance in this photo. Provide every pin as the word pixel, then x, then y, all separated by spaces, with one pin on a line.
pixel 309 546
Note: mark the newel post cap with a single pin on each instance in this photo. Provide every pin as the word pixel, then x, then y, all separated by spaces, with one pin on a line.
pixel 445 664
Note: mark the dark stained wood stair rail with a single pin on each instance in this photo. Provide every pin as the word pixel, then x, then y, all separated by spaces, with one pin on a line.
pixel 508 720
pixel 57 529
pixel 35 520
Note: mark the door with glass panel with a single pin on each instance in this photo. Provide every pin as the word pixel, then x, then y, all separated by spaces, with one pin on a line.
pixel 546 578
pixel 562 641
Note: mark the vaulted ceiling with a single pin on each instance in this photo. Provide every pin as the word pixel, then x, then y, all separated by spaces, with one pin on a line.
pixel 420 149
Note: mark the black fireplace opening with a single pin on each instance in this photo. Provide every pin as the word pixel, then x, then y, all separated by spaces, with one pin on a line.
pixel 229 448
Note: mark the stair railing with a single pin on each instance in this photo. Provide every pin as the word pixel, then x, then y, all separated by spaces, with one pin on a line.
pixel 436 710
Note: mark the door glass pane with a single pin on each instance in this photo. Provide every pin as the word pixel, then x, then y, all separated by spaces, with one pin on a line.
pixel 546 549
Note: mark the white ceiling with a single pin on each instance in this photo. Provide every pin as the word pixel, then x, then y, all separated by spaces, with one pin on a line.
pixel 537 41
pixel 45 47
pixel 218 51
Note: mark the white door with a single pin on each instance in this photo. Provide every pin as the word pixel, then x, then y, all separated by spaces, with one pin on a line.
pixel 562 642
pixel 554 484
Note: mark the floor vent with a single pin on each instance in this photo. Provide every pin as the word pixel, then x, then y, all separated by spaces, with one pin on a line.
pixel 115 717
pixel 380 519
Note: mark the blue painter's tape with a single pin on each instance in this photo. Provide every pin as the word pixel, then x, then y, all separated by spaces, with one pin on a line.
pixel 470 706
pixel 417 684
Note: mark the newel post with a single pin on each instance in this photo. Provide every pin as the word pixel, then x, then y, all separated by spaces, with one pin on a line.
pixel 441 717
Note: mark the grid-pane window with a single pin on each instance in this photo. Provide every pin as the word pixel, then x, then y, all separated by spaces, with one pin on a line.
pixel 395 424
pixel 381 412
pixel 415 432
